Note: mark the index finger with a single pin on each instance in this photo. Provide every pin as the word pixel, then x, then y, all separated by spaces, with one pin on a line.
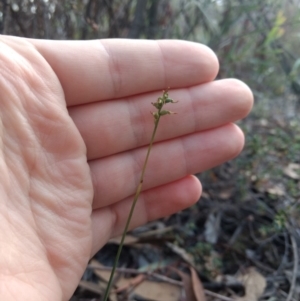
pixel 98 70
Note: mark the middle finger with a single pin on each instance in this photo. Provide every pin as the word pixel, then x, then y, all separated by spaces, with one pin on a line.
pixel 116 177
pixel 114 126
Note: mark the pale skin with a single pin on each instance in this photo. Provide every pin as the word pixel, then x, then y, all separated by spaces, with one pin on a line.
pixel 74 127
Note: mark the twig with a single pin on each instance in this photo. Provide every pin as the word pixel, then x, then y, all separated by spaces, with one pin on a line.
pixel 209 293
pixel 295 269
pixel 137 272
pixel 157 276
pixel 236 233
pixel 261 265
pixel 285 255
pixel 256 262
pixel 260 241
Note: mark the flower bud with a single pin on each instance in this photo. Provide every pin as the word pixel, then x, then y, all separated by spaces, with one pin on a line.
pixel 170 100
pixel 164 112
pixel 156 105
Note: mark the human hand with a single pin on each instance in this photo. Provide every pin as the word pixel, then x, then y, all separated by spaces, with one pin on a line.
pixel 74 130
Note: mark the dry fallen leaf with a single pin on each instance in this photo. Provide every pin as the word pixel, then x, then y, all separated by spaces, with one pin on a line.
pixel 192 285
pixel 255 284
pixel 90 286
pixel 147 289
pixel 150 290
pixel 129 240
pixel 205 195
pixel 188 286
pixel 212 227
pixel 225 194
pixel 197 286
pixel 188 258
pixel 277 190
pixel 128 284
pixel 102 274
pixel 292 171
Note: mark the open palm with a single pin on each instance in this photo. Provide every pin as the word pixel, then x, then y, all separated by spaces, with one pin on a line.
pixel 74 128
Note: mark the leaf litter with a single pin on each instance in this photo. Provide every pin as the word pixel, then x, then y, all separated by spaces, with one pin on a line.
pixel 257 196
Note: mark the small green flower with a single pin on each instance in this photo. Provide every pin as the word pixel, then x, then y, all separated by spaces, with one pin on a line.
pixel 161 101
pixel 164 112
pixel 170 100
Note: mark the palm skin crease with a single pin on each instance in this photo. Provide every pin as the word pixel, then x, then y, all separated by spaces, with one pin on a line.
pixel 46 189
pixel 69 166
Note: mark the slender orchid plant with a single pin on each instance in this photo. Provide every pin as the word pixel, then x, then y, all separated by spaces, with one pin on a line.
pixel 161 101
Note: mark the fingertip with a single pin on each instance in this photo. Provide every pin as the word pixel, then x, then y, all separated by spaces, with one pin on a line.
pixel 212 61
pixel 237 141
pixel 191 63
pixel 181 194
pixel 243 95
pixel 196 188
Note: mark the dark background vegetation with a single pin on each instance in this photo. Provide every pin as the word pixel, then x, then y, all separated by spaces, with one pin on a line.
pixel 249 214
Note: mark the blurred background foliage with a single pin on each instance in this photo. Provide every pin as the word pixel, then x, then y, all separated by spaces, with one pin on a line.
pixel 256 41
pixel 250 209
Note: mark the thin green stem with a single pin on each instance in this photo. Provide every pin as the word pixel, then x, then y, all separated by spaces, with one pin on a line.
pixel 159 105
pixel 138 191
